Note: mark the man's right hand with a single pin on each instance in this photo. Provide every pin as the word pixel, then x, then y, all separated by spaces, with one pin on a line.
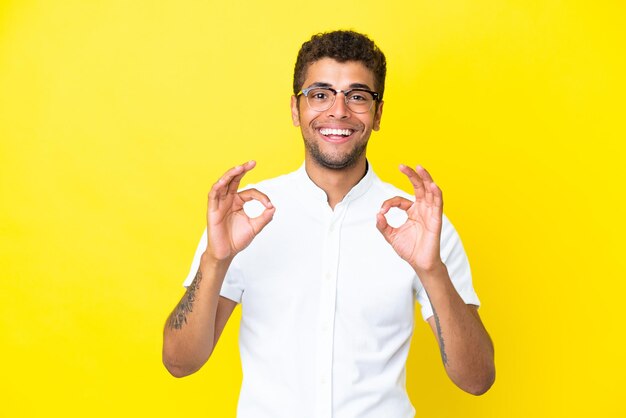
pixel 229 229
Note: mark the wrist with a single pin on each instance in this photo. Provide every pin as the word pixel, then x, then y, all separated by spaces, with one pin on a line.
pixel 434 272
pixel 208 260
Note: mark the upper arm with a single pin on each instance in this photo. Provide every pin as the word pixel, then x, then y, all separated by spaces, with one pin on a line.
pixel 225 308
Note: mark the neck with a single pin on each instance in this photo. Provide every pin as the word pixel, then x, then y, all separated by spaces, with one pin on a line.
pixel 336 183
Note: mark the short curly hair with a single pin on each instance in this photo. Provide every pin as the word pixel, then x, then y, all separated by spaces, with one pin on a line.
pixel 342 46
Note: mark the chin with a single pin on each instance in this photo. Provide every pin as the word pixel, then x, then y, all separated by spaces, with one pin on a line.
pixel 336 162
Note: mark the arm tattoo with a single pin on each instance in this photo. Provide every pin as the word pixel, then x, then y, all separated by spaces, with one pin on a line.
pixel 178 318
pixel 442 346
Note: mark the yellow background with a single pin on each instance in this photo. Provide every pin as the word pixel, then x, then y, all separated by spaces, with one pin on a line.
pixel 117 116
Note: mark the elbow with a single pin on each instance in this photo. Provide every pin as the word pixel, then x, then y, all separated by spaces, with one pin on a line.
pixel 480 389
pixel 483 375
pixel 180 360
pixel 475 380
pixel 482 384
pixel 177 370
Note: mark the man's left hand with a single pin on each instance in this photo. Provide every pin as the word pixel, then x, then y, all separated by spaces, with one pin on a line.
pixel 417 240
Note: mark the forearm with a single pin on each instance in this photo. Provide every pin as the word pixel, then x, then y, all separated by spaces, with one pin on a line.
pixel 189 333
pixel 466 348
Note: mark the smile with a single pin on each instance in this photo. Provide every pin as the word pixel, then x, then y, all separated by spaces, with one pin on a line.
pixel 336 132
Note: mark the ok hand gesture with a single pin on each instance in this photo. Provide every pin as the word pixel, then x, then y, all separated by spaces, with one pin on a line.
pixel 418 240
pixel 229 229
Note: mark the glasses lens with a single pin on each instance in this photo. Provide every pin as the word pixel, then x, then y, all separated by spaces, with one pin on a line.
pixel 320 99
pixel 359 101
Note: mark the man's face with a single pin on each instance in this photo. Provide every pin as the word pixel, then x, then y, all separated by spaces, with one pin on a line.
pixel 323 146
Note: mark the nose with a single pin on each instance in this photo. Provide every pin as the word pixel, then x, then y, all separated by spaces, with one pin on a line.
pixel 339 109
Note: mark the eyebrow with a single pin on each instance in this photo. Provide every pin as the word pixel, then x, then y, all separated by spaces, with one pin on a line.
pixel 360 86
pixel 352 86
pixel 320 84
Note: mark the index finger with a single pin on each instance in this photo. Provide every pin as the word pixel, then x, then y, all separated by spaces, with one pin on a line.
pixel 233 186
pixel 415 179
pixel 229 182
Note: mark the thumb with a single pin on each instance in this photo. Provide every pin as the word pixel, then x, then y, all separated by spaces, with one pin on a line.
pixel 385 229
pixel 263 219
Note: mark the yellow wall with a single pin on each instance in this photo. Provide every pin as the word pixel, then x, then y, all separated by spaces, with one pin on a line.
pixel 117 116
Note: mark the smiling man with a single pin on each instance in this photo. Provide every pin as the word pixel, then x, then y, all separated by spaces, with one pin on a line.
pixel 326 284
pixel 336 137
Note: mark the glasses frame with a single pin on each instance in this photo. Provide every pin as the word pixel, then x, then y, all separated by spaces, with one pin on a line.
pixel 305 93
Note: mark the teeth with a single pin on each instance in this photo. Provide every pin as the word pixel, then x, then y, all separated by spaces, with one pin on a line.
pixel 342 132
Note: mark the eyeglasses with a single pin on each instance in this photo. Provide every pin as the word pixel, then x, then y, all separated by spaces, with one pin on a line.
pixel 323 98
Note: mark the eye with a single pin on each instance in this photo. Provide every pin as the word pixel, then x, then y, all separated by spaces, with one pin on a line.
pixel 319 95
pixel 359 97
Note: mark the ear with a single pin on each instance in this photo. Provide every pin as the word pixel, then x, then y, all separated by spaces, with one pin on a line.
pixel 378 115
pixel 295 112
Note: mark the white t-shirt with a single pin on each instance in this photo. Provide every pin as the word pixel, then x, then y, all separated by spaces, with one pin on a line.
pixel 327 304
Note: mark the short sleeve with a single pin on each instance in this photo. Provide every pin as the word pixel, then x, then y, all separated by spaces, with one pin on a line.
pixel 454 257
pixel 232 288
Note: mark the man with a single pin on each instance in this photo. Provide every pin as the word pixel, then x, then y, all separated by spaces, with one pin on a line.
pixel 327 285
